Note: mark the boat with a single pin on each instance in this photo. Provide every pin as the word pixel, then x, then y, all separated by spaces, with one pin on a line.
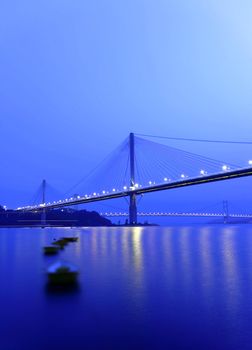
pixel 62 273
pixel 51 249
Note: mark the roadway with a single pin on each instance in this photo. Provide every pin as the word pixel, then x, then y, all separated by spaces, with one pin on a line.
pixel 138 190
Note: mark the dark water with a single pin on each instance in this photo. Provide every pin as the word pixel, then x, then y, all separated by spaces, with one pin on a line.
pixel 139 288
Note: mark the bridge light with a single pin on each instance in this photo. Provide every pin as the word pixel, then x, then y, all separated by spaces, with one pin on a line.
pixel 125 187
pixel 78 197
pixel 113 190
pixel 203 172
pixel 165 179
pixel 103 192
pixel 136 185
pixel 225 167
pixel 150 182
pixel 94 194
pixel 182 176
pixel 250 162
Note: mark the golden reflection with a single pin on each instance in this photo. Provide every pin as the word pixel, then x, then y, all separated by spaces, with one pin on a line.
pixel 168 250
pixel 103 240
pixel 230 269
pixel 125 245
pixel 152 239
pixel 135 267
pixel 186 255
pixel 137 247
pixel 94 243
pixel 114 241
pixel 206 263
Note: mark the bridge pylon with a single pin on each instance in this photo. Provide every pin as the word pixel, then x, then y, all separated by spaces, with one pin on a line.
pixel 43 213
pixel 225 211
pixel 132 205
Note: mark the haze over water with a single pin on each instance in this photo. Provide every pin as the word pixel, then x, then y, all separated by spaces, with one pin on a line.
pixel 177 287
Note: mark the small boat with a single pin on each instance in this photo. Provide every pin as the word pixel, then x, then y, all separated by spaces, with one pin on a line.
pixel 62 273
pixel 50 249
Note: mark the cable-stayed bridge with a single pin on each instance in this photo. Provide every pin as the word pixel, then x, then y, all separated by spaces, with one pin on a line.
pixel 139 166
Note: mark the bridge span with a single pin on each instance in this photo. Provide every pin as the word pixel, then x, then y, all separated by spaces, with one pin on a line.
pixel 134 188
pixel 176 214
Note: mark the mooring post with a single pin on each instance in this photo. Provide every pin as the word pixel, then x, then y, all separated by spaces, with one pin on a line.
pixel 43 213
pixel 132 205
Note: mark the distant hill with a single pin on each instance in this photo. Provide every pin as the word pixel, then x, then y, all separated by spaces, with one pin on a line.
pixel 55 217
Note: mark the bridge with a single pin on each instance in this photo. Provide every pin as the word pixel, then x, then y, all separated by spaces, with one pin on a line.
pixel 176 168
pixel 178 214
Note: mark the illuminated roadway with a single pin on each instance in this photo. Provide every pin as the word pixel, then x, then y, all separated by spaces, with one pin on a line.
pixel 138 190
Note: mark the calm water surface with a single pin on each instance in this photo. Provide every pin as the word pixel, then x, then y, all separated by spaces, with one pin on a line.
pixel 173 287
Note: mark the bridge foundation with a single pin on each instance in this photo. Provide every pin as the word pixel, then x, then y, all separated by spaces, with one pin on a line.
pixel 132 210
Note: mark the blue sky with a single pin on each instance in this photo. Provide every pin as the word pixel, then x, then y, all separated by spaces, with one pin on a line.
pixel 78 76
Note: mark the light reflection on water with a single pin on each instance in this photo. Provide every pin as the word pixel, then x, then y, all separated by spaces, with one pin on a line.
pixel 230 270
pixel 137 245
pixel 206 263
pixel 184 247
pixel 157 280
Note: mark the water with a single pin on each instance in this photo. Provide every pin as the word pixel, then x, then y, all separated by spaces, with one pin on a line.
pixel 146 288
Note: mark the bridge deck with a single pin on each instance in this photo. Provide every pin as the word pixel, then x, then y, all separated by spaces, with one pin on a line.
pixel 174 214
pixel 203 179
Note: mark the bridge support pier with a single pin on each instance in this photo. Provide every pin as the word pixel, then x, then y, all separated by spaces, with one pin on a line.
pixel 132 210
pixel 225 211
pixel 132 205
pixel 43 213
pixel 43 218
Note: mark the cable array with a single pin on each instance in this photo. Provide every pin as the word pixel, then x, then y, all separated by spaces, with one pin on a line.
pixel 198 140
pixel 160 163
pixel 111 174
pixel 155 163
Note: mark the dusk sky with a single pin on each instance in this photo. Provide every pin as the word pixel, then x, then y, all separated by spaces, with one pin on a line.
pixel 78 76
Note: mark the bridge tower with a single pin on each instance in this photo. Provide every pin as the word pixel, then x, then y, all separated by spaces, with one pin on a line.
pixel 225 211
pixel 43 213
pixel 132 205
